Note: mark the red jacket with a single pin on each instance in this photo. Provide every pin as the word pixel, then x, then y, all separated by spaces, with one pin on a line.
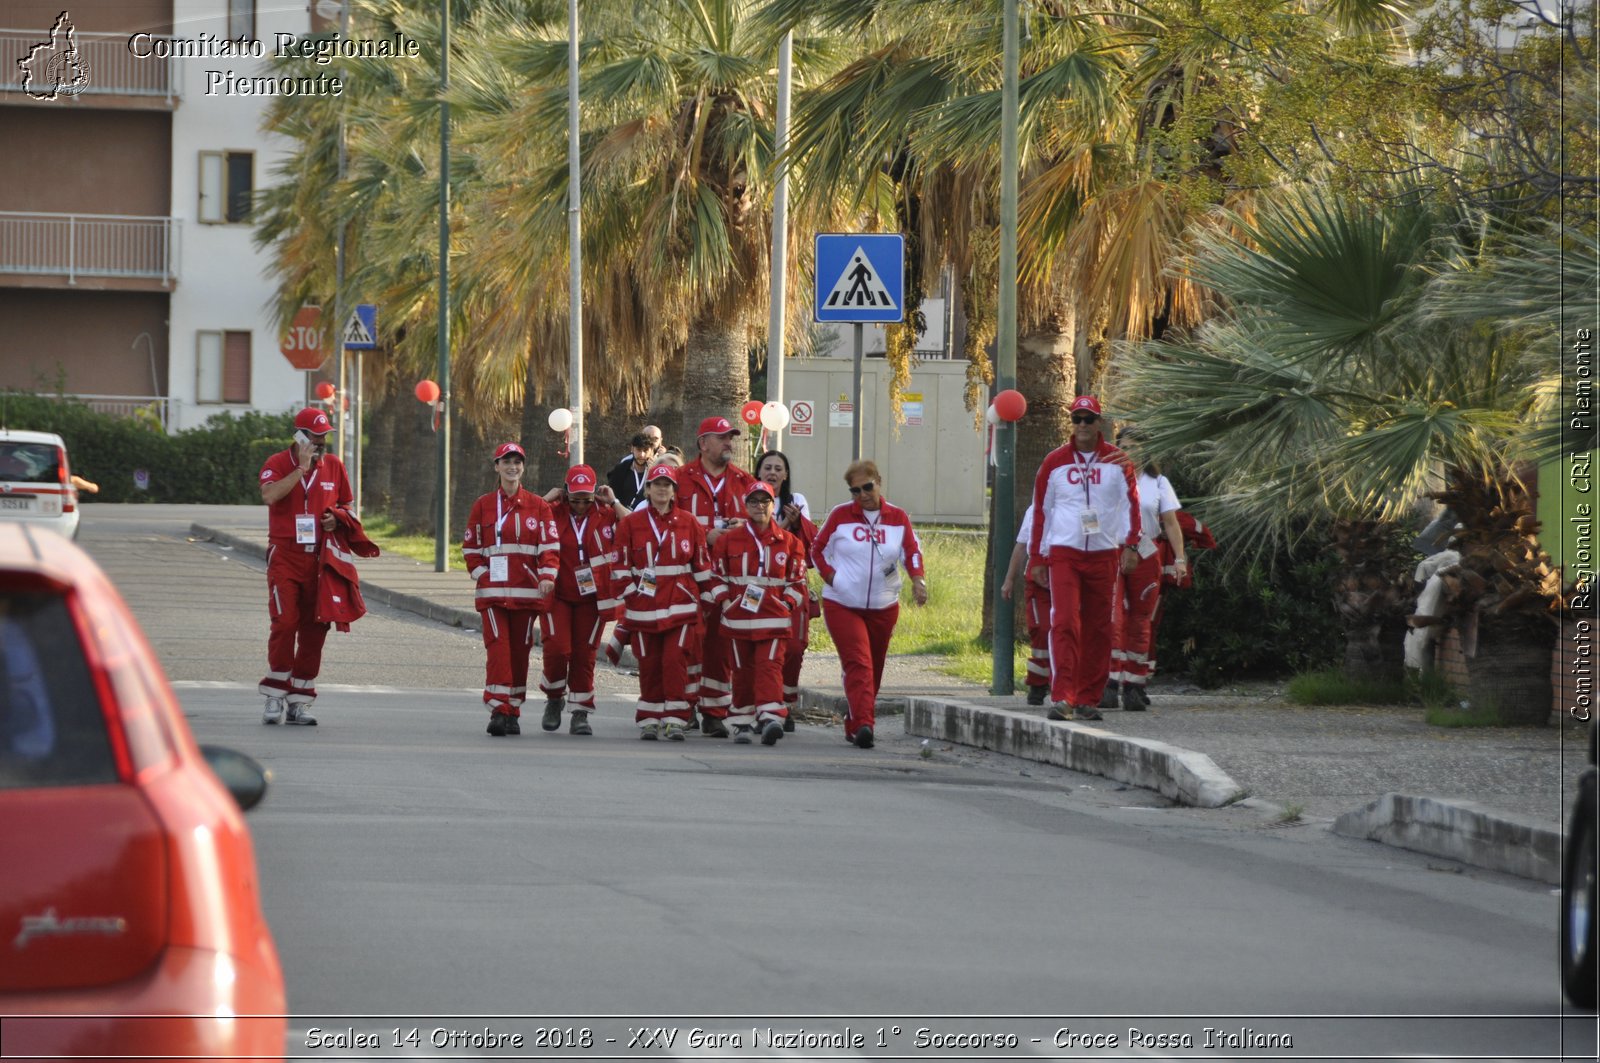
pixel 521 530
pixel 709 499
pixel 770 561
pixel 671 549
pixel 339 598
pixel 1196 536
pixel 595 548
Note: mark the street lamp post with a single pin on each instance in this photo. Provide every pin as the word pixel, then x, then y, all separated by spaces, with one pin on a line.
pixel 1005 432
pixel 441 536
pixel 574 244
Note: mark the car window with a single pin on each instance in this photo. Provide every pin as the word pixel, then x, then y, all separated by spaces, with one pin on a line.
pixel 30 463
pixel 52 732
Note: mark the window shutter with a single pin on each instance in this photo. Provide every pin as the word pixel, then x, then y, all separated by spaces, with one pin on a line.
pixel 236 367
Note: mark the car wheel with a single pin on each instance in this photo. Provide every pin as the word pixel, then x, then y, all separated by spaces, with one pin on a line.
pixel 1578 923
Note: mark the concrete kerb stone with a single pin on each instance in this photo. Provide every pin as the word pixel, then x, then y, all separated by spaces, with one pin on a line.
pixel 1460 830
pixel 1182 775
pixel 444 614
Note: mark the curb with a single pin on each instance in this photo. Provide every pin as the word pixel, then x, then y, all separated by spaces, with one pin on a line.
pixel 1182 775
pixel 1460 830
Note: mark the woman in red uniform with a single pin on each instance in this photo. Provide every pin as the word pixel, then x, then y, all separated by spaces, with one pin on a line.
pixel 758 581
pixel 583 600
pixel 859 552
pixel 511 550
pixel 793 515
pixel 661 556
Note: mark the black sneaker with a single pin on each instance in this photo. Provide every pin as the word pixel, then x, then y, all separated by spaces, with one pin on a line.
pixel 1108 700
pixel 1086 712
pixel 580 723
pixel 497 724
pixel 552 714
pixel 513 725
pixel 1036 695
pixel 1059 711
pixel 864 738
pixel 712 727
pixel 1134 699
pixel 299 716
pixel 771 733
pixel 788 725
pixel 694 720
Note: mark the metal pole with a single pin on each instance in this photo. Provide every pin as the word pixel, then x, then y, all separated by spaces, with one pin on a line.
pixel 355 447
pixel 574 243
pixel 855 409
pixel 441 535
pixel 342 395
pixel 1005 435
pixel 780 234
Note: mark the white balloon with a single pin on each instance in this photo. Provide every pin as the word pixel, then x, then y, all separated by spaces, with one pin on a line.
pixel 992 415
pixel 774 416
pixel 560 419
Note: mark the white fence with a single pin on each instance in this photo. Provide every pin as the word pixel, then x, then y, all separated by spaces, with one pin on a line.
pixel 89 245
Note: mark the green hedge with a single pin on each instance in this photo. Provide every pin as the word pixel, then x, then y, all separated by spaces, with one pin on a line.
pixel 218 463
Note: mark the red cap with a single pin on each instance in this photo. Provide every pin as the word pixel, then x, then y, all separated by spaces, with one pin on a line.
pixel 509 448
pixel 717 426
pixel 580 480
pixel 760 488
pixel 1086 402
pixel 662 471
pixel 313 422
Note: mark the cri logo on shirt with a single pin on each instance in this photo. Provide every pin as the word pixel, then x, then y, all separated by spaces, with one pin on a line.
pixel 1076 475
pixel 864 535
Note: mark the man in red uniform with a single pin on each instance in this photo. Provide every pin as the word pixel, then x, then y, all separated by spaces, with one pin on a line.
pixel 758 581
pixel 662 563
pixel 711 489
pixel 511 549
pixel 301 487
pixel 583 601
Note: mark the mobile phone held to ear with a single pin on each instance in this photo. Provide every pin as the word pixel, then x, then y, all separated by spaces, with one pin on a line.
pixel 301 438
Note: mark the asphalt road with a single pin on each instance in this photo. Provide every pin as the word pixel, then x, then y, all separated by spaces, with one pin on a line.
pixel 421 875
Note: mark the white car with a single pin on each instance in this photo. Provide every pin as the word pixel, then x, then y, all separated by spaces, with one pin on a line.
pixel 35 482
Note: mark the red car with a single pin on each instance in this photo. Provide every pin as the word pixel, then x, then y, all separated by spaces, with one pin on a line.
pixel 130 918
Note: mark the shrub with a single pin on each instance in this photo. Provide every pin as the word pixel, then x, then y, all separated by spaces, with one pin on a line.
pixel 217 463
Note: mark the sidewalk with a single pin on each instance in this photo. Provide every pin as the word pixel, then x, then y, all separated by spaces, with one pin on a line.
pixel 1491 797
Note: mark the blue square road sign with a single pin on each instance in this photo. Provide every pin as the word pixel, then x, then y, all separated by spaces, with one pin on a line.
pixel 860 277
pixel 361 331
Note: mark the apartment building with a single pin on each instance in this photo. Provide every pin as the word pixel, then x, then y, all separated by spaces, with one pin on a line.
pixel 127 269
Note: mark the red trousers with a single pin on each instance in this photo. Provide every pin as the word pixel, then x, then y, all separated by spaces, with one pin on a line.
pixel 571 633
pixel 1082 583
pixel 711 671
pixel 862 639
pixel 1036 604
pixel 294 640
pixel 663 673
pixel 794 657
pixel 1133 610
pixel 508 638
pixel 758 666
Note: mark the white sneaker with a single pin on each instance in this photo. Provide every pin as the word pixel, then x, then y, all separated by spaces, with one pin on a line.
pixel 672 731
pixel 273 713
pixel 741 734
pixel 648 731
pixel 300 716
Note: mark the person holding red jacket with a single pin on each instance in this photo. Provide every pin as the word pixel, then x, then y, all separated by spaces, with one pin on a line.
pixel 758 582
pixel 661 556
pixel 303 489
pixel 711 489
pixel 1085 525
pixel 583 603
pixel 858 552
pixel 512 551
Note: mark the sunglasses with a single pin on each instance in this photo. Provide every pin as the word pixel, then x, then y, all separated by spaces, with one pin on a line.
pixel 868 487
pixel 758 501
pixel 1085 418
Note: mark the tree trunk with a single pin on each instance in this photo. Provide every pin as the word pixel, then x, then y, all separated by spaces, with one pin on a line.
pixel 716 379
pixel 1372 593
pixel 416 470
pixel 378 456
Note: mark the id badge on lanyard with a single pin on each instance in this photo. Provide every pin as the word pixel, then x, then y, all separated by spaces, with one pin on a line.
pixel 499 568
pixel 1091 516
pixel 585 577
pixel 752 598
pixel 305 529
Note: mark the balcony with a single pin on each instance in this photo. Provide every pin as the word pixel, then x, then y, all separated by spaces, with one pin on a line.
pixel 115 248
pixel 115 74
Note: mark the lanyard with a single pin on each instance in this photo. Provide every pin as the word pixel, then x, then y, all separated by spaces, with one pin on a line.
pixel 638 479
pixel 307 482
pixel 716 492
pixel 500 514
pixel 577 533
pixel 1083 481
pixel 660 533
pixel 761 550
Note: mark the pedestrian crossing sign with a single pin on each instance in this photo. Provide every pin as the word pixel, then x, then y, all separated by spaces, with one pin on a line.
pixel 860 277
pixel 361 331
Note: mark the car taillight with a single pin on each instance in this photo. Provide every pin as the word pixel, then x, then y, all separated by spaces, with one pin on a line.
pixel 69 497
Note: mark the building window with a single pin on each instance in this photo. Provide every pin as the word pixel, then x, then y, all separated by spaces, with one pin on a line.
pixel 227 186
pixel 222 367
pixel 241 19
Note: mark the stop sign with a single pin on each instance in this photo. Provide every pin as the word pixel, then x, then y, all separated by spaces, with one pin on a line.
pixel 302 344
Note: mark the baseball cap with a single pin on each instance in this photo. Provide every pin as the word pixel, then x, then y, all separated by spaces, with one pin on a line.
pixel 509 448
pixel 717 426
pixel 1086 402
pixel 759 488
pixel 580 480
pixel 661 472
pixel 313 422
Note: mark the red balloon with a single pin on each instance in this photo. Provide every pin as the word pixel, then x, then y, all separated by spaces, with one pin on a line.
pixel 325 390
pixel 427 391
pixel 1010 405
pixel 750 412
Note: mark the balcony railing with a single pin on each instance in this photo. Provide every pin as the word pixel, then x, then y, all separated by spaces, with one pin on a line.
pixel 89 245
pixel 112 68
pixel 128 405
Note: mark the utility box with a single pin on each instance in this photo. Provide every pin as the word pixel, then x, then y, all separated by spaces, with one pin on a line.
pixel 935 470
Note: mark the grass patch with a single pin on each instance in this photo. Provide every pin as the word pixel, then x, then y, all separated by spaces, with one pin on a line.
pixel 1332 687
pixel 1454 716
pixel 1291 813
pixel 381 530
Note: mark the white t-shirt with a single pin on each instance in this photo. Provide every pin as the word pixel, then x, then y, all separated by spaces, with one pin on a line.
pixel 1156 497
